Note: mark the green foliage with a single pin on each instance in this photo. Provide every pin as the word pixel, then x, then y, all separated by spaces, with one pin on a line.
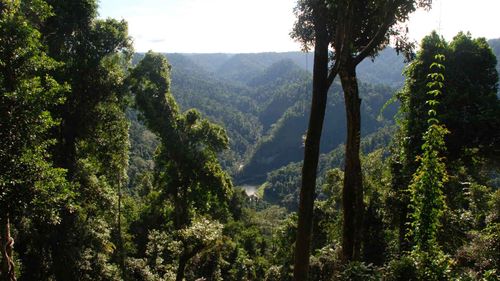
pixel 432 265
pixel 426 189
pixel 28 180
pixel 358 271
pixel 187 167
pixel 427 199
pixel 188 176
pixel 31 186
pixel 90 142
pixel 457 102
pixel 143 144
pixel 64 159
pixel 468 104
pixel 479 257
pixel 281 184
pixel 164 250
pixel 402 269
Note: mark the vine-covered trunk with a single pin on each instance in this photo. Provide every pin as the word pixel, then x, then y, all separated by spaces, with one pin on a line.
pixel 7 272
pixel 352 195
pixel 311 155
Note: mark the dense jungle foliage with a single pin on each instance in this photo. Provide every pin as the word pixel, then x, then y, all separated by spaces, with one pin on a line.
pixel 116 165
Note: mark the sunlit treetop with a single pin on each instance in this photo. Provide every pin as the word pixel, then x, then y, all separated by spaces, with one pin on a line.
pixel 360 28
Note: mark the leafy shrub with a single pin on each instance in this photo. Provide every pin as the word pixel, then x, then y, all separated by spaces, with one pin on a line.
pixel 359 271
pixel 402 269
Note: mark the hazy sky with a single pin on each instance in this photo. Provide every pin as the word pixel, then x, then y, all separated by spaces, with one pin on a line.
pixel 239 26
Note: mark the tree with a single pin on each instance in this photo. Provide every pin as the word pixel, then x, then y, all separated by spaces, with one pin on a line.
pixel 91 144
pixel 354 30
pixel 470 99
pixel 427 201
pixel 467 108
pixel 187 169
pixel 30 186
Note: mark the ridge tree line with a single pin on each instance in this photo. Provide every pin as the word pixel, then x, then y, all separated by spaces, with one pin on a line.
pixel 66 82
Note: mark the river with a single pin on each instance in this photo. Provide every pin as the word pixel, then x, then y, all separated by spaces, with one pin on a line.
pixel 250 190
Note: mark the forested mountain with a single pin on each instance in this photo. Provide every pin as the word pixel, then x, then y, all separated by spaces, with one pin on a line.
pixel 117 166
pixel 262 100
pixel 281 184
pixel 495 45
pixel 265 109
pixel 386 69
pixel 284 141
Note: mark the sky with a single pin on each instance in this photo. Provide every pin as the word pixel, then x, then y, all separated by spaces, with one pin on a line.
pixel 249 26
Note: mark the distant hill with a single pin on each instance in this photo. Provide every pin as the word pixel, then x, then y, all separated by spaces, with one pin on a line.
pixel 228 104
pixel 386 68
pixel 282 185
pixel 283 143
pixel 263 101
pixel 495 46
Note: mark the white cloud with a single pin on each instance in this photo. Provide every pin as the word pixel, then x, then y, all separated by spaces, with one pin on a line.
pixel 449 17
pixel 264 25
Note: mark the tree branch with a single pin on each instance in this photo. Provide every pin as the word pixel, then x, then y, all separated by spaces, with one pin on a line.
pixel 379 35
pixel 333 73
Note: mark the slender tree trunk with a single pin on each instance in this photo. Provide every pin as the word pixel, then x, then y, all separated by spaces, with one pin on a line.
pixel 63 263
pixel 181 216
pixel 121 254
pixel 182 266
pixel 399 184
pixel 311 155
pixel 65 150
pixel 181 220
pixel 404 244
pixel 7 272
pixel 352 196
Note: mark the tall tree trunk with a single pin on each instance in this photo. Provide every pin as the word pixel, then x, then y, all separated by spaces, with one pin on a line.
pixel 7 272
pixel 181 215
pixel 121 254
pixel 400 182
pixel 181 221
pixel 404 229
pixel 311 155
pixel 183 259
pixel 352 196
pixel 63 261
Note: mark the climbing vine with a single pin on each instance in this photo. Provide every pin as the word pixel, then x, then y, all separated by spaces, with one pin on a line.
pixel 426 189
